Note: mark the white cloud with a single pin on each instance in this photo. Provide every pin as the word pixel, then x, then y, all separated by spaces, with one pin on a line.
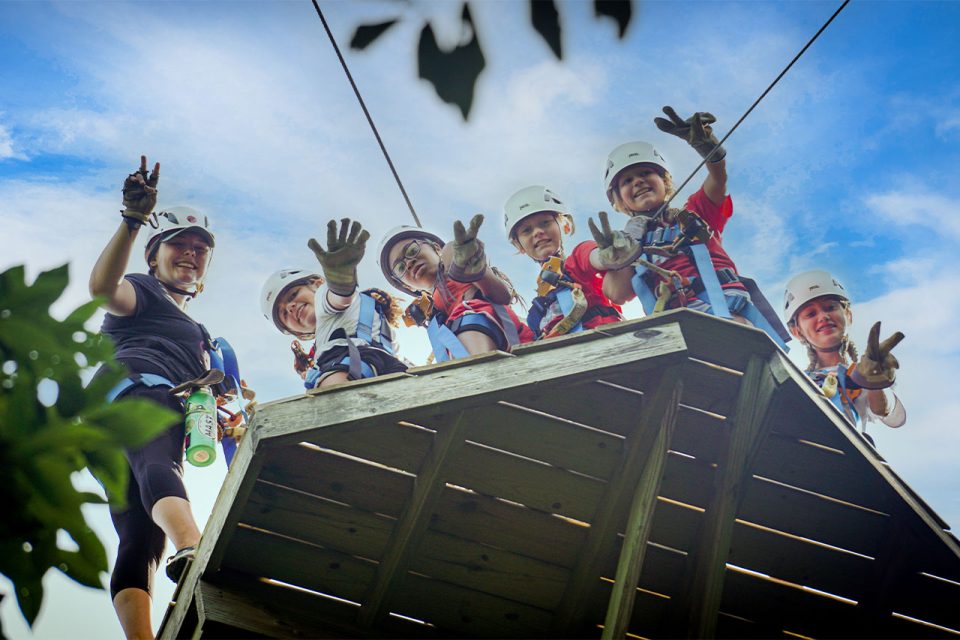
pixel 7 147
pixel 917 209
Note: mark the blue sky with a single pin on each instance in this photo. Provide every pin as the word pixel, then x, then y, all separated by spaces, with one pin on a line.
pixel 850 164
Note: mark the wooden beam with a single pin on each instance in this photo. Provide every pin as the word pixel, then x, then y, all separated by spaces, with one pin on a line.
pixel 749 424
pixel 657 415
pixel 408 532
pixel 216 535
pixel 663 415
pixel 288 421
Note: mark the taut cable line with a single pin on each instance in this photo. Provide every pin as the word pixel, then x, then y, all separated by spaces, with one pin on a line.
pixel 366 112
pixel 676 191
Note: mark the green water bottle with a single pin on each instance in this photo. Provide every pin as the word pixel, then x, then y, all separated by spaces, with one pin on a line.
pixel 201 427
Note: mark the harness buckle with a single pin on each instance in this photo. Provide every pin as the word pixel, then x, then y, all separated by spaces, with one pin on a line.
pixel 550 275
pixel 418 312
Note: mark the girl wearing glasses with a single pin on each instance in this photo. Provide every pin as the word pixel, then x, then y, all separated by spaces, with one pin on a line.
pixel 461 300
pixel 354 338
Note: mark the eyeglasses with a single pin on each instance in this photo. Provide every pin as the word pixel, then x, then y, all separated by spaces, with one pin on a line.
pixel 410 251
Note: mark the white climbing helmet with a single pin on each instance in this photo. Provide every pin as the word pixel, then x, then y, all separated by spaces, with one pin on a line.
pixel 531 200
pixel 273 288
pixel 805 287
pixel 629 154
pixel 395 235
pixel 173 221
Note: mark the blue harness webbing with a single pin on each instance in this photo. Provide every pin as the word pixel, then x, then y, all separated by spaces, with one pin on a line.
pixel 146 379
pixel 223 357
pixel 712 293
pixel 356 367
pixel 445 343
pixel 538 309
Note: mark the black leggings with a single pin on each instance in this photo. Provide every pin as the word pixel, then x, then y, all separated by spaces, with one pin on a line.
pixel 155 472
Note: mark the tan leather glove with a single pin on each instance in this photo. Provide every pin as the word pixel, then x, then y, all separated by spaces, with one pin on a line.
pixel 616 248
pixel 343 253
pixel 469 258
pixel 140 193
pixel 877 367
pixel 695 130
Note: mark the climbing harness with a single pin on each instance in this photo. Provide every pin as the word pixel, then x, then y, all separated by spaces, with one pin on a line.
pixel 370 309
pixel 558 296
pixel 836 385
pixel 223 361
pixel 443 339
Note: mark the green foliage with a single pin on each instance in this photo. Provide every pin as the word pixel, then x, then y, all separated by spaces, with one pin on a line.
pixel 454 73
pixel 51 426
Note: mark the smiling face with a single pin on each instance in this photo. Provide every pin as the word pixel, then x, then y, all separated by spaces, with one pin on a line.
pixel 539 235
pixel 295 308
pixel 640 188
pixel 822 323
pixel 182 260
pixel 415 262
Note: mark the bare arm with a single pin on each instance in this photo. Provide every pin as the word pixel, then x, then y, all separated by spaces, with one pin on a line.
pixel 715 185
pixel 106 279
pixel 618 285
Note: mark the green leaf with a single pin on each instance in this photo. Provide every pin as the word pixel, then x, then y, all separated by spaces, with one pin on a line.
pixel 367 33
pixel 132 421
pixel 453 73
pixel 546 21
pixel 29 596
pixel 621 11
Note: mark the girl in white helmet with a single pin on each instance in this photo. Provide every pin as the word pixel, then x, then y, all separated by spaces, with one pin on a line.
pixel 690 266
pixel 354 338
pixel 461 301
pixel 817 310
pixel 161 346
pixel 570 294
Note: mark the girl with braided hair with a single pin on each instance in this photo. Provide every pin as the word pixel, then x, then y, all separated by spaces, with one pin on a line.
pixel 353 329
pixel 817 311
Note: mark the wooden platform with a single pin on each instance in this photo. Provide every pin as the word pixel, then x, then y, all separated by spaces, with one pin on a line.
pixel 674 476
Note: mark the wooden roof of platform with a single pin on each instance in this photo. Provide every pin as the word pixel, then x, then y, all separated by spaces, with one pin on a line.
pixel 670 476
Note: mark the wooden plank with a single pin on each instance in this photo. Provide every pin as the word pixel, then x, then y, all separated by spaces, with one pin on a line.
pixel 829 472
pixel 801 562
pixel 322 522
pixel 639 458
pixel 217 532
pixel 662 412
pixel 567 400
pixel 676 526
pixel 536 485
pixel 749 426
pixel 546 437
pixel 298 563
pixel 394 444
pixel 815 517
pixel 699 434
pixel 779 605
pixel 460 389
pixel 928 598
pixel 457 611
pixel 490 570
pixel 272 610
pixel 364 486
pixel 408 532
pixel 490 521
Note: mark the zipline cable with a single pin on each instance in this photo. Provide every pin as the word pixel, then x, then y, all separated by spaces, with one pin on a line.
pixel 826 24
pixel 363 106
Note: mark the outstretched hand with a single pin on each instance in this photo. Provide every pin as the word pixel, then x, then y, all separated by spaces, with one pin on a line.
pixel 343 253
pixel 695 130
pixel 469 258
pixel 140 192
pixel 616 249
pixel 877 367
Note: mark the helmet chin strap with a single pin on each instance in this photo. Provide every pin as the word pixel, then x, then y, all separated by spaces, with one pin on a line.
pixel 182 292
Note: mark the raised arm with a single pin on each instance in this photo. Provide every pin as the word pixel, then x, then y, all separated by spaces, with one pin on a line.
pixel 340 259
pixel 466 261
pixel 106 279
pixel 696 131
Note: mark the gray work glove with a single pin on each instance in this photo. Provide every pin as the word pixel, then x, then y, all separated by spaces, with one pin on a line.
pixel 695 130
pixel 469 258
pixel 342 255
pixel 140 193
pixel 616 248
pixel 636 227
pixel 877 367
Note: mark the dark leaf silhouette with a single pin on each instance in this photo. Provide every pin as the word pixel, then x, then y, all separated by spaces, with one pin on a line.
pixel 620 10
pixel 453 73
pixel 546 20
pixel 367 33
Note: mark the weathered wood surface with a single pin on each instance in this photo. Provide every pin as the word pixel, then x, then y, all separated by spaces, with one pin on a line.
pixel 566 490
